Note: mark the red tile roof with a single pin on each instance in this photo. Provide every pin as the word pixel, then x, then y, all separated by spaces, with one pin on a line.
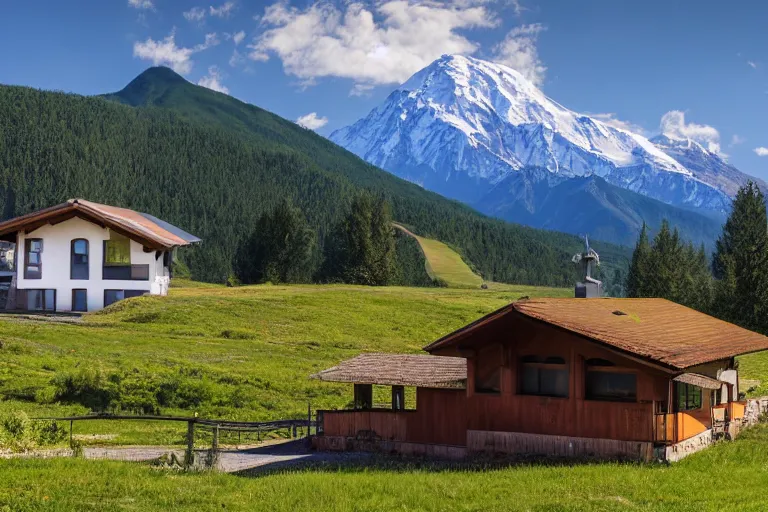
pixel 657 330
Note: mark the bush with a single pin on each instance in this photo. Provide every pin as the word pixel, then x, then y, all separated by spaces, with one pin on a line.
pixel 20 434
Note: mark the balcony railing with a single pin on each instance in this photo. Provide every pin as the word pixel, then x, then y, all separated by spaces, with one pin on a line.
pixel 126 273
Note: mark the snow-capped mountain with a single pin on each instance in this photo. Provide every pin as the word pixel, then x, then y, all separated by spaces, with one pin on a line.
pixel 463 126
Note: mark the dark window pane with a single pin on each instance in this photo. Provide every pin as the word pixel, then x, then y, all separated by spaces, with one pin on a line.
pixel 112 296
pixel 140 272
pixel 41 300
pixel 127 294
pixel 35 246
pixel 553 382
pixel 621 387
pixel 34 258
pixel 50 300
pixel 529 383
pixel 79 300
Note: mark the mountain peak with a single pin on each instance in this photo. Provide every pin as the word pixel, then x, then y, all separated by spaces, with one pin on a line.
pixel 153 83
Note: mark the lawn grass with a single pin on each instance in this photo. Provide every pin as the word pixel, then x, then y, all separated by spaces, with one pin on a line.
pixel 243 353
pixel 728 476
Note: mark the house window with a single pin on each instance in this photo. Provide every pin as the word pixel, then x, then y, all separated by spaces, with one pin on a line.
pixel 112 296
pixel 33 262
pixel 488 370
pixel 688 397
pixel 79 300
pixel 79 259
pixel 117 251
pixel 40 300
pixel 544 376
pixel 604 381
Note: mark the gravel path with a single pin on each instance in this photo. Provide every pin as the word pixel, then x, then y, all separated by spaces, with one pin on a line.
pixel 264 457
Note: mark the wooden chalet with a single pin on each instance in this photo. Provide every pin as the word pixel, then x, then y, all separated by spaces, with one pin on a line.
pixel 625 378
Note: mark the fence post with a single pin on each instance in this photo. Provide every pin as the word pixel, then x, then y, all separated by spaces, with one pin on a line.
pixel 293 434
pixel 70 434
pixel 213 455
pixel 309 418
pixel 189 456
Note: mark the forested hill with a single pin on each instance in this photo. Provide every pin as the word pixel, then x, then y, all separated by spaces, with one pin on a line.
pixel 212 165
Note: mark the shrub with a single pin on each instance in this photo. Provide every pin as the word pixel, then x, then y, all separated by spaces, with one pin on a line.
pixel 20 434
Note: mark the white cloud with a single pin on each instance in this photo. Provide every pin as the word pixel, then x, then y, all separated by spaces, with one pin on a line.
pixel 311 121
pixel 166 53
pixel 238 37
pixel 380 44
pixel 517 7
pixel 518 51
pixel 752 64
pixel 236 59
pixel 141 4
pixel 610 119
pixel 223 11
pixel 213 80
pixel 195 14
pixel 761 151
pixel 737 139
pixel 673 125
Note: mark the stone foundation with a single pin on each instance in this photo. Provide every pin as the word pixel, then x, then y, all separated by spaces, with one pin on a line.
pixel 684 448
pixel 351 444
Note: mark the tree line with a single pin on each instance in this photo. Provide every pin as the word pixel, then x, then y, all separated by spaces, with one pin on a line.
pixel 732 286
pixel 361 249
pixel 217 183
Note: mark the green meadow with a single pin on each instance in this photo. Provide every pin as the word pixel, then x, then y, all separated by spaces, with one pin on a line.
pixel 727 476
pixel 241 353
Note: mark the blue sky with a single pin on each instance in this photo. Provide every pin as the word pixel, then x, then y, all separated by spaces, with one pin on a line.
pixel 700 65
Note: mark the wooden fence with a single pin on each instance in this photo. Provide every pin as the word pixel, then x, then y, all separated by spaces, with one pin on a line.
pixel 215 425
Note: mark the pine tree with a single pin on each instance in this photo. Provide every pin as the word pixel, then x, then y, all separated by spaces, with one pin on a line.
pixel 640 267
pixel 740 262
pixel 280 249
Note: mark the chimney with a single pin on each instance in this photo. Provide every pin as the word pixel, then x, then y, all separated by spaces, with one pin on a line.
pixel 588 261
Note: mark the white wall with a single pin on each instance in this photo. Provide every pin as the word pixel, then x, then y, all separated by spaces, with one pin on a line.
pixel 55 259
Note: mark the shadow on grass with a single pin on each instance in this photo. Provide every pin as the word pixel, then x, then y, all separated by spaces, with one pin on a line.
pixel 307 460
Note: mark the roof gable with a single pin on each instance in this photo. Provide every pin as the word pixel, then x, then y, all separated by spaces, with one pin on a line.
pixel 656 330
pixel 141 227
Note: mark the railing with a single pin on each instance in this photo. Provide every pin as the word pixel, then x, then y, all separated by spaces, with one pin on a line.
pixel 216 426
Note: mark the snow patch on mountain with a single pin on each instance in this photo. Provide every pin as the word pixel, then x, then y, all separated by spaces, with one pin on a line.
pixel 462 125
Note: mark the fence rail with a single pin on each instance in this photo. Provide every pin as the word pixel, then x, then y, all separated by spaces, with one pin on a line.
pixel 215 425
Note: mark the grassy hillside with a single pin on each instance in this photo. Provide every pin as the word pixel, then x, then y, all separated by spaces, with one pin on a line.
pixel 443 263
pixel 243 353
pixel 727 476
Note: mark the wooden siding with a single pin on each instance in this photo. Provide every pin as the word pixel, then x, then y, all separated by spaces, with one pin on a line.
pixel 574 416
pixel 439 418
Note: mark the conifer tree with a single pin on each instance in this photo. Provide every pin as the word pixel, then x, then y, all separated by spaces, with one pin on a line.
pixel 740 262
pixel 640 267
pixel 280 249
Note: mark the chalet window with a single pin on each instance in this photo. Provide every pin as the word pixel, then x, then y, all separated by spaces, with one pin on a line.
pixel 79 300
pixel 605 382
pixel 688 396
pixel 40 300
pixel 117 250
pixel 543 376
pixel 79 259
pixel 33 262
pixel 112 296
pixel 488 370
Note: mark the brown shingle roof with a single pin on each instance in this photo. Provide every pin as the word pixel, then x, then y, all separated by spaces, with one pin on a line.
pixel 133 224
pixel 400 370
pixel 655 329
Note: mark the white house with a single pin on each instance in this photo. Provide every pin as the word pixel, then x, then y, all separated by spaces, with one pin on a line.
pixel 83 256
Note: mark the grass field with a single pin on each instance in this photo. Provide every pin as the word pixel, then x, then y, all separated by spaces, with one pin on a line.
pixel 242 353
pixel 445 264
pixel 728 476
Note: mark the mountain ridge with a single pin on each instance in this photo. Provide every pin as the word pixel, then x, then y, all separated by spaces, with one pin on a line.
pixel 462 126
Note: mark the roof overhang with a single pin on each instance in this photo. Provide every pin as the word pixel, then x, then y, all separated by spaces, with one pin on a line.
pixel 399 370
pixel 696 379
pixel 144 229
